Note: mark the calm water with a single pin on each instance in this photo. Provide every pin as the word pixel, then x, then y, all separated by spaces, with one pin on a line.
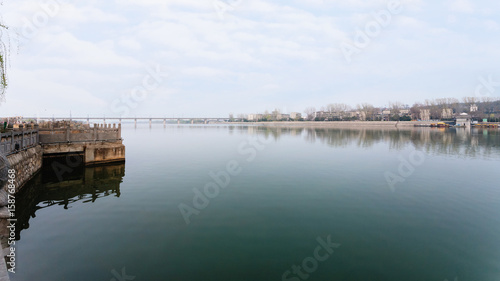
pixel 439 220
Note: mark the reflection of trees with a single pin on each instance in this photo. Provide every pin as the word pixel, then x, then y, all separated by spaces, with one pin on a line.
pixel 87 186
pixel 460 141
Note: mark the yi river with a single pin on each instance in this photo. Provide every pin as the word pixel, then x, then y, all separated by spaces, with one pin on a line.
pixel 407 204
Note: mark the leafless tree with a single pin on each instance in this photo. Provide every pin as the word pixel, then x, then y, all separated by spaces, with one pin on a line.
pixel 310 111
pixel 367 110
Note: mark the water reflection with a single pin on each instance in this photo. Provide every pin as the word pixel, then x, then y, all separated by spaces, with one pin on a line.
pixel 81 184
pixel 451 141
pixel 472 143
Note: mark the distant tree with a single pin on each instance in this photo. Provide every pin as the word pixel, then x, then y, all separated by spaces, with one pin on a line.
pixel 395 107
pixel 415 110
pixel 310 111
pixel 338 109
pixel 367 111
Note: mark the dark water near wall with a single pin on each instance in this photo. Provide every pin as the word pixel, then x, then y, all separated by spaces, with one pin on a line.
pixel 297 187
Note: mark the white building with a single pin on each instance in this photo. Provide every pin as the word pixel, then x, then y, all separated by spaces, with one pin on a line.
pixel 447 113
pixel 295 115
pixel 425 115
pixel 463 120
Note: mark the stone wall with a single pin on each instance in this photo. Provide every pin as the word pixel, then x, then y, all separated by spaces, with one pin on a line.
pixel 26 164
pixel 68 134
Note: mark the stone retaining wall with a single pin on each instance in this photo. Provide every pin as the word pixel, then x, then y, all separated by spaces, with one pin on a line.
pixel 26 164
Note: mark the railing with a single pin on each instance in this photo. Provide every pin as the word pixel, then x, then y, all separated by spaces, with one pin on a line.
pixel 17 140
pixel 98 133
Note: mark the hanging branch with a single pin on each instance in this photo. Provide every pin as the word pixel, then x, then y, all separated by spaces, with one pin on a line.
pixel 3 60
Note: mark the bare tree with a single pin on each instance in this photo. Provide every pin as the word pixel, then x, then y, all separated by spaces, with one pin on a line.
pixel 310 111
pixel 338 109
pixel 415 110
pixel 366 110
pixel 395 107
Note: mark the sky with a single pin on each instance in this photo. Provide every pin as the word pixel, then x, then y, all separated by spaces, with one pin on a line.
pixel 209 58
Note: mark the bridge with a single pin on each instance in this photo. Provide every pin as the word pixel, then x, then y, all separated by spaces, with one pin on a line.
pixel 192 120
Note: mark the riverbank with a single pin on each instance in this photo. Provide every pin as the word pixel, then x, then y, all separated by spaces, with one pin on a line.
pixel 344 124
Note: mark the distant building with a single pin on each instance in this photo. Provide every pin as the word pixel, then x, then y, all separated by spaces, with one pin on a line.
pixel 425 115
pixel 404 112
pixel 295 115
pixel 325 114
pixel 473 108
pixel 463 119
pixel 447 113
pixel 254 117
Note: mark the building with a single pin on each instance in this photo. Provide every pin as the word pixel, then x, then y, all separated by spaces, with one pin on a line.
pixel 295 115
pixel 447 113
pixel 463 119
pixel 404 112
pixel 425 115
pixel 254 117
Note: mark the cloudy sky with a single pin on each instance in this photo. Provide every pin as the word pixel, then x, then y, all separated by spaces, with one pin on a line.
pixel 187 58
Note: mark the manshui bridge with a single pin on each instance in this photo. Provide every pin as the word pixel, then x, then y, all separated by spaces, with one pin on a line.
pixel 105 120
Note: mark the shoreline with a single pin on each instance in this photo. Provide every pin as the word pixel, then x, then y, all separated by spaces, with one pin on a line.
pixel 350 124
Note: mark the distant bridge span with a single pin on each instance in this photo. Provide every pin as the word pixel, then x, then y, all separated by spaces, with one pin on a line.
pixel 206 120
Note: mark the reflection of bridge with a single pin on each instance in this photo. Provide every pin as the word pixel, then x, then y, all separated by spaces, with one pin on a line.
pixel 192 120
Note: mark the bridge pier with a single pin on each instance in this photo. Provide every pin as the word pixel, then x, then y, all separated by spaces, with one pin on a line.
pixel 164 122
pixel 178 121
pixel 135 122
pixel 206 121
pixel 192 121
pixel 120 121
pixel 150 122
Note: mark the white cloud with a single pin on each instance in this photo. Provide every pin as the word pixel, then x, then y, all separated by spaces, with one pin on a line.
pixel 462 6
pixel 263 52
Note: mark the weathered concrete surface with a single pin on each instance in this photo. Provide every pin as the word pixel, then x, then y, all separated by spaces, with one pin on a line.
pixel 63 148
pixel 94 153
pixel 104 153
